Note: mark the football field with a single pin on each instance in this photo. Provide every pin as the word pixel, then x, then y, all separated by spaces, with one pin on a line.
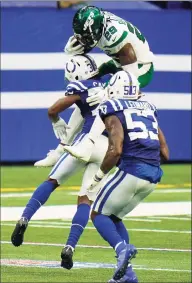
pixel 160 228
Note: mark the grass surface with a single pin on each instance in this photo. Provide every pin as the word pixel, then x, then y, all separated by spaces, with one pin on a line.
pixel 161 265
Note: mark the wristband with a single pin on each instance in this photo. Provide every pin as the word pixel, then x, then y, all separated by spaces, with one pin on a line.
pixel 99 175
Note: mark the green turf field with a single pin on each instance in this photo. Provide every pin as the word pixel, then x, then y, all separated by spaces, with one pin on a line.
pixel 163 242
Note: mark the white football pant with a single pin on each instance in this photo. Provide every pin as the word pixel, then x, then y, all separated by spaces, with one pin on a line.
pixel 121 193
pixel 68 165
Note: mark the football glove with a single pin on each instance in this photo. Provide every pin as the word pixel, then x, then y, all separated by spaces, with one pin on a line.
pixel 97 98
pixel 96 180
pixel 73 47
pixel 60 129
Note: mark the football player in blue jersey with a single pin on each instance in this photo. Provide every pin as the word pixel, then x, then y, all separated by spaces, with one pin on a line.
pixel 136 147
pixel 85 82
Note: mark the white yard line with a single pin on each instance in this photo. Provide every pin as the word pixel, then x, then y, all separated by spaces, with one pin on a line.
pixel 93 228
pixel 98 247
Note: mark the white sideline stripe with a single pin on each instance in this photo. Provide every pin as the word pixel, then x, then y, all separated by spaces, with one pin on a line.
pixel 169 191
pixel 15 195
pixel 44 99
pixel 172 218
pixel 68 211
pixel 93 228
pixel 57 60
pixel 161 191
pixel 157 191
pixel 98 247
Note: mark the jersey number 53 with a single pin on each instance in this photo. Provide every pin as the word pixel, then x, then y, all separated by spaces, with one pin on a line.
pixel 141 124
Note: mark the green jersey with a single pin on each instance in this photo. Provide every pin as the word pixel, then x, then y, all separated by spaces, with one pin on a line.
pixel 117 33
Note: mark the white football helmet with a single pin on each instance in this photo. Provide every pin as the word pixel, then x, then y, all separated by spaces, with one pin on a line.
pixel 80 67
pixel 123 85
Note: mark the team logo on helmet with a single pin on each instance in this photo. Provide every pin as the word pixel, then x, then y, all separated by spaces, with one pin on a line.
pixel 89 22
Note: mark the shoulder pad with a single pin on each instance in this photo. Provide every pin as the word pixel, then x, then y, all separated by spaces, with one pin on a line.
pixel 108 108
pixel 76 87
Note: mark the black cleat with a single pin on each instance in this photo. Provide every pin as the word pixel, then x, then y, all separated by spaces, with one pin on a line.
pixel 18 233
pixel 67 257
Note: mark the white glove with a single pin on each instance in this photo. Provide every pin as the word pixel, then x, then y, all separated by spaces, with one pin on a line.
pixel 60 128
pixel 71 49
pixel 96 180
pixel 97 98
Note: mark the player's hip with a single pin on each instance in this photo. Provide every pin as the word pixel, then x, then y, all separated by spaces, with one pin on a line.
pixel 119 191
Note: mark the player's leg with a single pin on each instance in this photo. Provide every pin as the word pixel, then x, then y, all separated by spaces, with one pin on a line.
pixel 63 169
pixel 74 126
pixel 146 72
pixel 84 149
pixel 81 216
pixel 141 190
pixel 52 156
pixel 110 200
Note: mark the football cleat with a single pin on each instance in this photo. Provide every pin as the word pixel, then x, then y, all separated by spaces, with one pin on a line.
pixel 51 158
pixel 82 150
pixel 129 277
pixel 67 257
pixel 123 260
pixel 18 233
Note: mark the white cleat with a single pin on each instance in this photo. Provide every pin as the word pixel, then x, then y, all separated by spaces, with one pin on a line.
pixel 51 158
pixel 82 151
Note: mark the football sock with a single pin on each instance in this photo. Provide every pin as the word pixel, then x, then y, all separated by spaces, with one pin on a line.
pixel 121 229
pixel 39 197
pixel 79 222
pixel 108 231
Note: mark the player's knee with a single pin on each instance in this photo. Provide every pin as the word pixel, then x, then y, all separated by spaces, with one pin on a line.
pixel 54 181
pixel 114 218
pixel 93 214
pixel 83 199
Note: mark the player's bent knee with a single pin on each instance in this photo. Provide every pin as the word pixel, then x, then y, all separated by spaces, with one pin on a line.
pixel 54 181
pixel 93 214
pixel 84 199
pixel 114 218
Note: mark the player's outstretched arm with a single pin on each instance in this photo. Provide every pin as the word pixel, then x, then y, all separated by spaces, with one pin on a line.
pixel 164 150
pixel 61 105
pixel 59 125
pixel 115 137
pixel 128 59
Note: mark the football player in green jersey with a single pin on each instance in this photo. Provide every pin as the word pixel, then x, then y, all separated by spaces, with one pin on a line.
pixel 119 39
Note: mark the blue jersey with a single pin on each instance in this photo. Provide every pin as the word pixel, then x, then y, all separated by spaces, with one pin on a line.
pixel 141 143
pixel 85 89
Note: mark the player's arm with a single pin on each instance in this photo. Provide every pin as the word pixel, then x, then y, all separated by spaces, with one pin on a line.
pixel 115 136
pixel 59 125
pixel 164 150
pixel 108 67
pixel 128 59
pixel 61 105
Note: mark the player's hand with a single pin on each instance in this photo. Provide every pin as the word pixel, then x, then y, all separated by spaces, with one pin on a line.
pixel 73 47
pixel 97 98
pixel 60 129
pixel 96 180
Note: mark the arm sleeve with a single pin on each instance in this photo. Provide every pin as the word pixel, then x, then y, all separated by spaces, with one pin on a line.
pixel 75 123
pixel 107 68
